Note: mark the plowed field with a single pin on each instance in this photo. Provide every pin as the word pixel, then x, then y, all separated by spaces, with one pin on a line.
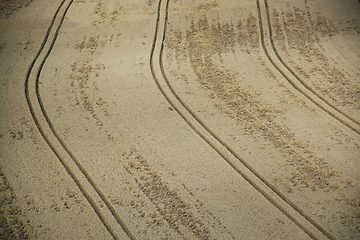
pixel 173 119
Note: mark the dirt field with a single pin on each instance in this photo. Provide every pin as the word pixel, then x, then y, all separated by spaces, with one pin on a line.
pixel 148 119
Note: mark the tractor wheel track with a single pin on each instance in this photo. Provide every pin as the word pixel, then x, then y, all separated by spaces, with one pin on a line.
pixel 81 177
pixel 91 191
pixel 284 204
pixel 295 81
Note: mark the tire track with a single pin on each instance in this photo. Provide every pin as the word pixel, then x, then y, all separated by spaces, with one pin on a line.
pixel 111 220
pixel 295 81
pixel 285 205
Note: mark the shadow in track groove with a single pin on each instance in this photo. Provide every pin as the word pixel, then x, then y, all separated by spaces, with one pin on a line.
pixel 56 151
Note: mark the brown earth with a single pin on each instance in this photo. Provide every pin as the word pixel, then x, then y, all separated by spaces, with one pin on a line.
pixel 7 7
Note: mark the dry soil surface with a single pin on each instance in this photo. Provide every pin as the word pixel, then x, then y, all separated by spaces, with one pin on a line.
pixel 147 119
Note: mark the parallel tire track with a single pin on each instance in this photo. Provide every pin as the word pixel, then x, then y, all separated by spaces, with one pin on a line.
pixel 295 81
pixel 284 204
pixel 81 177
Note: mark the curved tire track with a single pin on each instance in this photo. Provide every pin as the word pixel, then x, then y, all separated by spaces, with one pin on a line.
pixel 86 184
pixel 295 81
pixel 285 205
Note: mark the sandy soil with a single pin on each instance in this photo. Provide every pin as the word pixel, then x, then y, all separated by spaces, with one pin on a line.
pixel 179 119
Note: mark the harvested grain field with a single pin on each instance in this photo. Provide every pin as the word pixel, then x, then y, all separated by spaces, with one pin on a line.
pixel 175 119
